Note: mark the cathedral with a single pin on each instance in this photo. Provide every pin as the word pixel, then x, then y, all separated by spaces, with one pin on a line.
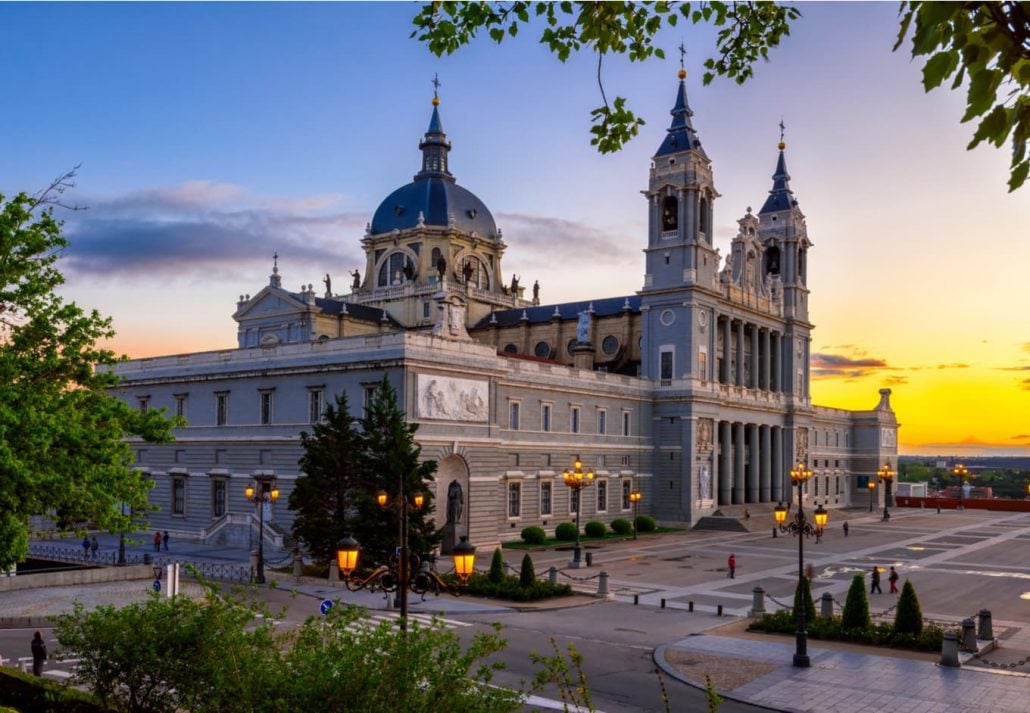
pixel 694 391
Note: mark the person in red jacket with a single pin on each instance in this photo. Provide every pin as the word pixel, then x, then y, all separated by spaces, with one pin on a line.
pixel 732 563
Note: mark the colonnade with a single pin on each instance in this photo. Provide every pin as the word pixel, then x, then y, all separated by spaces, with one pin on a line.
pixel 750 463
pixel 765 371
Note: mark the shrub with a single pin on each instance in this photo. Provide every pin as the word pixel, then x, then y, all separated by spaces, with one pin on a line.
pixel 909 617
pixel 804 590
pixel 534 535
pixel 527 575
pixel 510 588
pixel 565 531
pixel 496 567
pixel 646 523
pixel 621 527
pixel 595 528
pixel 856 607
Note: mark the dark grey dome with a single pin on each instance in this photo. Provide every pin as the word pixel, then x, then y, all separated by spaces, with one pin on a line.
pixel 437 199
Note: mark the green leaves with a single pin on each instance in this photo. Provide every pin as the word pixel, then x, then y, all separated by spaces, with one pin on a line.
pixel 988 44
pixel 613 126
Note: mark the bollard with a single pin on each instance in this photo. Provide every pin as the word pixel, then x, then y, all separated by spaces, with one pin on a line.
pixel 775 535
pixel 757 601
pixel 590 559
pixel 298 564
pixel 334 571
pixel 949 650
pixel 969 635
pixel 552 575
pixel 718 611
pixel 984 630
pixel 690 606
pixel 602 585
pixel 663 604
pixel 636 599
pixel 826 610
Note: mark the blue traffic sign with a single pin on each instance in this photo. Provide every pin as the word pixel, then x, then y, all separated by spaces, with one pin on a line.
pixel 325 606
pixel 157 585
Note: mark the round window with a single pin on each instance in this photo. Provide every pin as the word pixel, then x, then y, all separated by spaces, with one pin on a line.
pixel 511 349
pixel 610 345
pixel 572 343
pixel 667 317
pixel 542 350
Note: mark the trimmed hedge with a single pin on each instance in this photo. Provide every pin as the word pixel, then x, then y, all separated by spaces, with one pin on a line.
pixel 496 573
pixel 909 617
pixel 831 629
pixel 621 527
pixel 527 575
pixel 534 535
pixel 565 531
pixel 646 523
pixel 25 692
pixel 511 589
pixel 595 528
pixel 856 607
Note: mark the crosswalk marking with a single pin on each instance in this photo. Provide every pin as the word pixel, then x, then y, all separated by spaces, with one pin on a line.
pixel 426 620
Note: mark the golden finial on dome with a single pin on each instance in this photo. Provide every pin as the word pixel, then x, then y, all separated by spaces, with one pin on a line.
pixel 782 129
pixel 683 74
pixel 436 86
pixel 436 101
pixel 683 53
pixel 782 145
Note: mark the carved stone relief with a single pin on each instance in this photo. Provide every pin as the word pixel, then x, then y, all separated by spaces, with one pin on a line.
pixel 447 399
pixel 704 435
pixel 801 451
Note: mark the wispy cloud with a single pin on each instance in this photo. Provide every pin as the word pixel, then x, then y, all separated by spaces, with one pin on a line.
pixel 542 242
pixel 202 228
pixel 1022 437
pixel 1025 385
pixel 837 366
pixel 953 366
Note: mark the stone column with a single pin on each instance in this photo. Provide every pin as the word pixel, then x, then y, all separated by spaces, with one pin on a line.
pixel 766 358
pixel 753 461
pixel 753 381
pixel 726 467
pixel 777 362
pixel 738 463
pixel 765 472
pixel 777 463
pixel 740 354
pixel 715 460
pixel 688 214
pixel 724 371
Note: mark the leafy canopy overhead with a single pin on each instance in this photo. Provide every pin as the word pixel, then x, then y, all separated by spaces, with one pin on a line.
pixel 62 452
pixel 986 43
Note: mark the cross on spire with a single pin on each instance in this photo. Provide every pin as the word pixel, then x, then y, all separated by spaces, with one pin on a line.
pixel 782 129
pixel 683 54
pixel 275 261
pixel 436 85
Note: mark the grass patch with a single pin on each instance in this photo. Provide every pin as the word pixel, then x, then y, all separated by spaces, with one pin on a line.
pixel 551 542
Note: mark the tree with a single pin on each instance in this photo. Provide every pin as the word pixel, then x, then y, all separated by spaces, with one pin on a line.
pixel 856 607
pixel 527 574
pixel 390 460
pixel 331 471
pixel 988 41
pixel 908 619
pixel 496 572
pixel 62 447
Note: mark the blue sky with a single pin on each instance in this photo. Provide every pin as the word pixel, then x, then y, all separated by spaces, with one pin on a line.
pixel 212 135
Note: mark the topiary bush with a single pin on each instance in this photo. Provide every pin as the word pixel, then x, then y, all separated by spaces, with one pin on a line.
pixel 803 593
pixel 909 617
pixel 646 523
pixel 527 575
pixel 534 535
pixel 621 527
pixel 565 531
pixel 509 588
pixel 856 607
pixel 496 573
pixel 595 528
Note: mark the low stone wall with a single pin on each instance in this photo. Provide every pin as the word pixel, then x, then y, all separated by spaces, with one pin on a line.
pixel 95 575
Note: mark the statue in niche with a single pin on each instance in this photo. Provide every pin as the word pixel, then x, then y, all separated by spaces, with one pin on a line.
pixel 409 272
pixel 704 434
pixel 357 280
pixel 328 285
pixel 583 328
pixel 704 482
pixel 455 502
pixel 441 267
pixel 467 270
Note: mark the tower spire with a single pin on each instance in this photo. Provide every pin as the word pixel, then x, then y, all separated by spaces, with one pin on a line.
pixel 434 145
pixel 681 135
pixel 780 197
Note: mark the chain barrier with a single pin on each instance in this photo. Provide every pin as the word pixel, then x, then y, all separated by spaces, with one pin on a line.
pixel 778 603
pixel 578 579
pixel 994 664
pixel 275 564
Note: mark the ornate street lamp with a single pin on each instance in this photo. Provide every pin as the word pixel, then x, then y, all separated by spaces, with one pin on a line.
pixel 960 472
pixel 886 475
pixel 394 576
pixel 872 487
pixel 576 479
pixel 634 497
pixel 799 526
pixel 261 491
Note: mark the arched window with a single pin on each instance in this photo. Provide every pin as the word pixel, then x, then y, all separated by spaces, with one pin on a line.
pixel 395 269
pixel 703 218
pixel 670 213
pixel 772 260
pixel 801 264
pixel 473 272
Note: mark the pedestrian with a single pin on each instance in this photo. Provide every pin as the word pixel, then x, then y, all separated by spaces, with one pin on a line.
pixel 38 654
pixel 94 546
pixel 893 579
pixel 747 513
pixel 157 541
pixel 85 547
pixel 732 564
pixel 845 528
pixel 876 581
pixel 810 572
pixel 166 538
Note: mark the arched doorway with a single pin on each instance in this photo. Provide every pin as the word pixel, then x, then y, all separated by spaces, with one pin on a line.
pixel 452 500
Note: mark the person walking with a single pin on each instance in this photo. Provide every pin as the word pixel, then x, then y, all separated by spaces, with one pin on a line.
pixel 875 587
pixel 94 546
pixel 893 579
pixel 85 547
pixel 38 654
pixel 846 528
pixel 157 541
pixel 732 564
pixel 166 539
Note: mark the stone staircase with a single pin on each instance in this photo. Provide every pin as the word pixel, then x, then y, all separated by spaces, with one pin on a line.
pixel 753 517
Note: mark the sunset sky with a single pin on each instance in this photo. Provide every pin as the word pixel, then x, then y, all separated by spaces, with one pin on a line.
pixel 212 135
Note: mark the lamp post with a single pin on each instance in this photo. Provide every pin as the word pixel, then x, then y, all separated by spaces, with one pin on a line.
pixel 886 475
pixel 404 559
pixel 634 497
pixel 121 542
pixel 802 528
pixel 261 491
pixel 576 479
pixel 872 487
pixel 960 472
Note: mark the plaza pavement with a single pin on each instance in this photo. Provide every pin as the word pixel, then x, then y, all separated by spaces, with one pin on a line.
pixel 959 562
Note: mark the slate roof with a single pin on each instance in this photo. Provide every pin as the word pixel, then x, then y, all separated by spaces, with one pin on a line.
pixel 681 135
pixel 606 307
pixel 780 197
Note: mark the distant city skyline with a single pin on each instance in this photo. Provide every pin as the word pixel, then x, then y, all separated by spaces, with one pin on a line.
pixel 214 135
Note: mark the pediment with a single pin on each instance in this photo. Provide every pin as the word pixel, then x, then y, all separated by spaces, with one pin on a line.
pixel 270 302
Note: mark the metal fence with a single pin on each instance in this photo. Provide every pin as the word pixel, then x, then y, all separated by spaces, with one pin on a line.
pixel 195 569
